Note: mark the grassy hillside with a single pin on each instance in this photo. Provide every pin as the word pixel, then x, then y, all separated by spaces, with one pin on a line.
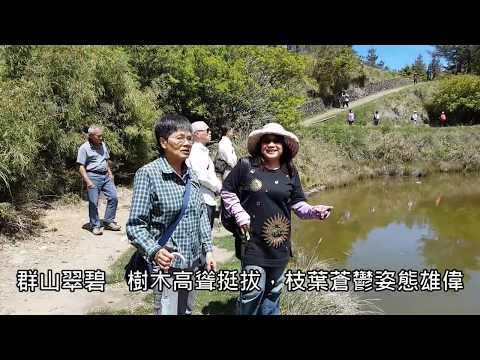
pixel 336 154
pixel 396 108
pixel 375 75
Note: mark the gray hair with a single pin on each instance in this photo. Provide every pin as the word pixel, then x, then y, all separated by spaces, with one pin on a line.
pixel 92 128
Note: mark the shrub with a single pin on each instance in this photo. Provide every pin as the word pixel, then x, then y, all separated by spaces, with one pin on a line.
pixel 459 97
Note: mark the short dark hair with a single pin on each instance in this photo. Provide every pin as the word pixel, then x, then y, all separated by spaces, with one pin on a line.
pixel 225 129
pixel 169 124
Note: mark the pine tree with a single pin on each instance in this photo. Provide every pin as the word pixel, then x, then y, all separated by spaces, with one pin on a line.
pixel 419 67
pixel 461 59
pixel 372 57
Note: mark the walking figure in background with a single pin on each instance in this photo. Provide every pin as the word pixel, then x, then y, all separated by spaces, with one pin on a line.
pixel 414 118
pixel 345 99
pixel 415 79
pixel 350 117
pixel 376 118
pixel 443 119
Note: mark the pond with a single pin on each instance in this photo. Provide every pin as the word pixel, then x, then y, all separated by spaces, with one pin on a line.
pixel 406 226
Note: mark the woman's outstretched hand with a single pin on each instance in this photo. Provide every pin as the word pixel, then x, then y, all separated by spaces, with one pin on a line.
pixel 322 211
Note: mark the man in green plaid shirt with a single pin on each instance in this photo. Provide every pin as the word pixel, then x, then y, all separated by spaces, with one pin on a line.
pixel 158 192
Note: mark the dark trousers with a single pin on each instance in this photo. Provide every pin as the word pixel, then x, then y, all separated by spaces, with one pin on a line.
pixel 211 217
pixel 211 214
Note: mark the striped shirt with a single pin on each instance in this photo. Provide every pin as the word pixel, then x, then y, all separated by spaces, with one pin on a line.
pixel 156 201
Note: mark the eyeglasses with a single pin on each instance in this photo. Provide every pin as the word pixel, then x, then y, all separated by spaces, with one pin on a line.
pixel 182 139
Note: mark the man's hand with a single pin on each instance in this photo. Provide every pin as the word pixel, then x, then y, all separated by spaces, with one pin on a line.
pixel 164 259
pixel 322 211
pixel 90 185
pixel 211 263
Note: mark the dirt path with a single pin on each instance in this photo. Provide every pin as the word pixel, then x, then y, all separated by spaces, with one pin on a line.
pixel 64 245
pixel 331 113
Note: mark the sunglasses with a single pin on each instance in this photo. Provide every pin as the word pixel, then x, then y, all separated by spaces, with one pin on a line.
pixel 269 139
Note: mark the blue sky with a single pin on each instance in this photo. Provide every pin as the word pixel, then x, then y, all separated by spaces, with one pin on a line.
pixel 397 56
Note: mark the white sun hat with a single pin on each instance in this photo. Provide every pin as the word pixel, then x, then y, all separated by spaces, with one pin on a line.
pixel 275 129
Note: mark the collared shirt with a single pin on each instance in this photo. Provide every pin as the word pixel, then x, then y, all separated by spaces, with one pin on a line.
pixel 157 200
pixel 226 151
pixel 93 157
pixel 202 165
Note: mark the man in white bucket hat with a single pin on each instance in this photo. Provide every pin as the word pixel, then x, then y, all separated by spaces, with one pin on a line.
pixel 259 194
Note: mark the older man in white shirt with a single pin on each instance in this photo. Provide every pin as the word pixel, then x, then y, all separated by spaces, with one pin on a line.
pixel 226 152
pixel 201 163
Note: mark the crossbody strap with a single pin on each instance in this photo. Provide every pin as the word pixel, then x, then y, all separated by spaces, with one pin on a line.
pixel 171 228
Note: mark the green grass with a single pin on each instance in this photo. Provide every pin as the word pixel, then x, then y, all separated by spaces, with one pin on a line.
pixel 225 242
pixel 336 154
pixel 215 302
pixel 376 75
pixel 218 302
pixel 224 303
pixel 117 270
pixel 145 309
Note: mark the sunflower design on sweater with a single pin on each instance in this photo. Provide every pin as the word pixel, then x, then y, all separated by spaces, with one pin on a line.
pixel 275 230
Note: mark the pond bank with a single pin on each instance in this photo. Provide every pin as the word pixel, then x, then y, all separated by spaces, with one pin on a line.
pixel 336 155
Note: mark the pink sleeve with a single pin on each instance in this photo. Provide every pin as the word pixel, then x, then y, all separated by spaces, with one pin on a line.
pixel 232 205
pixel 305 211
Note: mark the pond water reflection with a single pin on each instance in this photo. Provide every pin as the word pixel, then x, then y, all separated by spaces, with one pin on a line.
pixel 411 224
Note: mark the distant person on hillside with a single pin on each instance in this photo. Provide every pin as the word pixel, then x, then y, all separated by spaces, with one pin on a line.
pixel 415 78
pixel 93 158
pixel 414 118
pixel 376 118
pixel 345 99
pixel 350 117
pixel 443 119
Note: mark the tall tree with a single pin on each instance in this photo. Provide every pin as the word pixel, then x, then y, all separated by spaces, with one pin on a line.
pixel 372 57
pixel 419 67
pixel 434 68
pixel 334 69
pixel 461 59
pixel 406 71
